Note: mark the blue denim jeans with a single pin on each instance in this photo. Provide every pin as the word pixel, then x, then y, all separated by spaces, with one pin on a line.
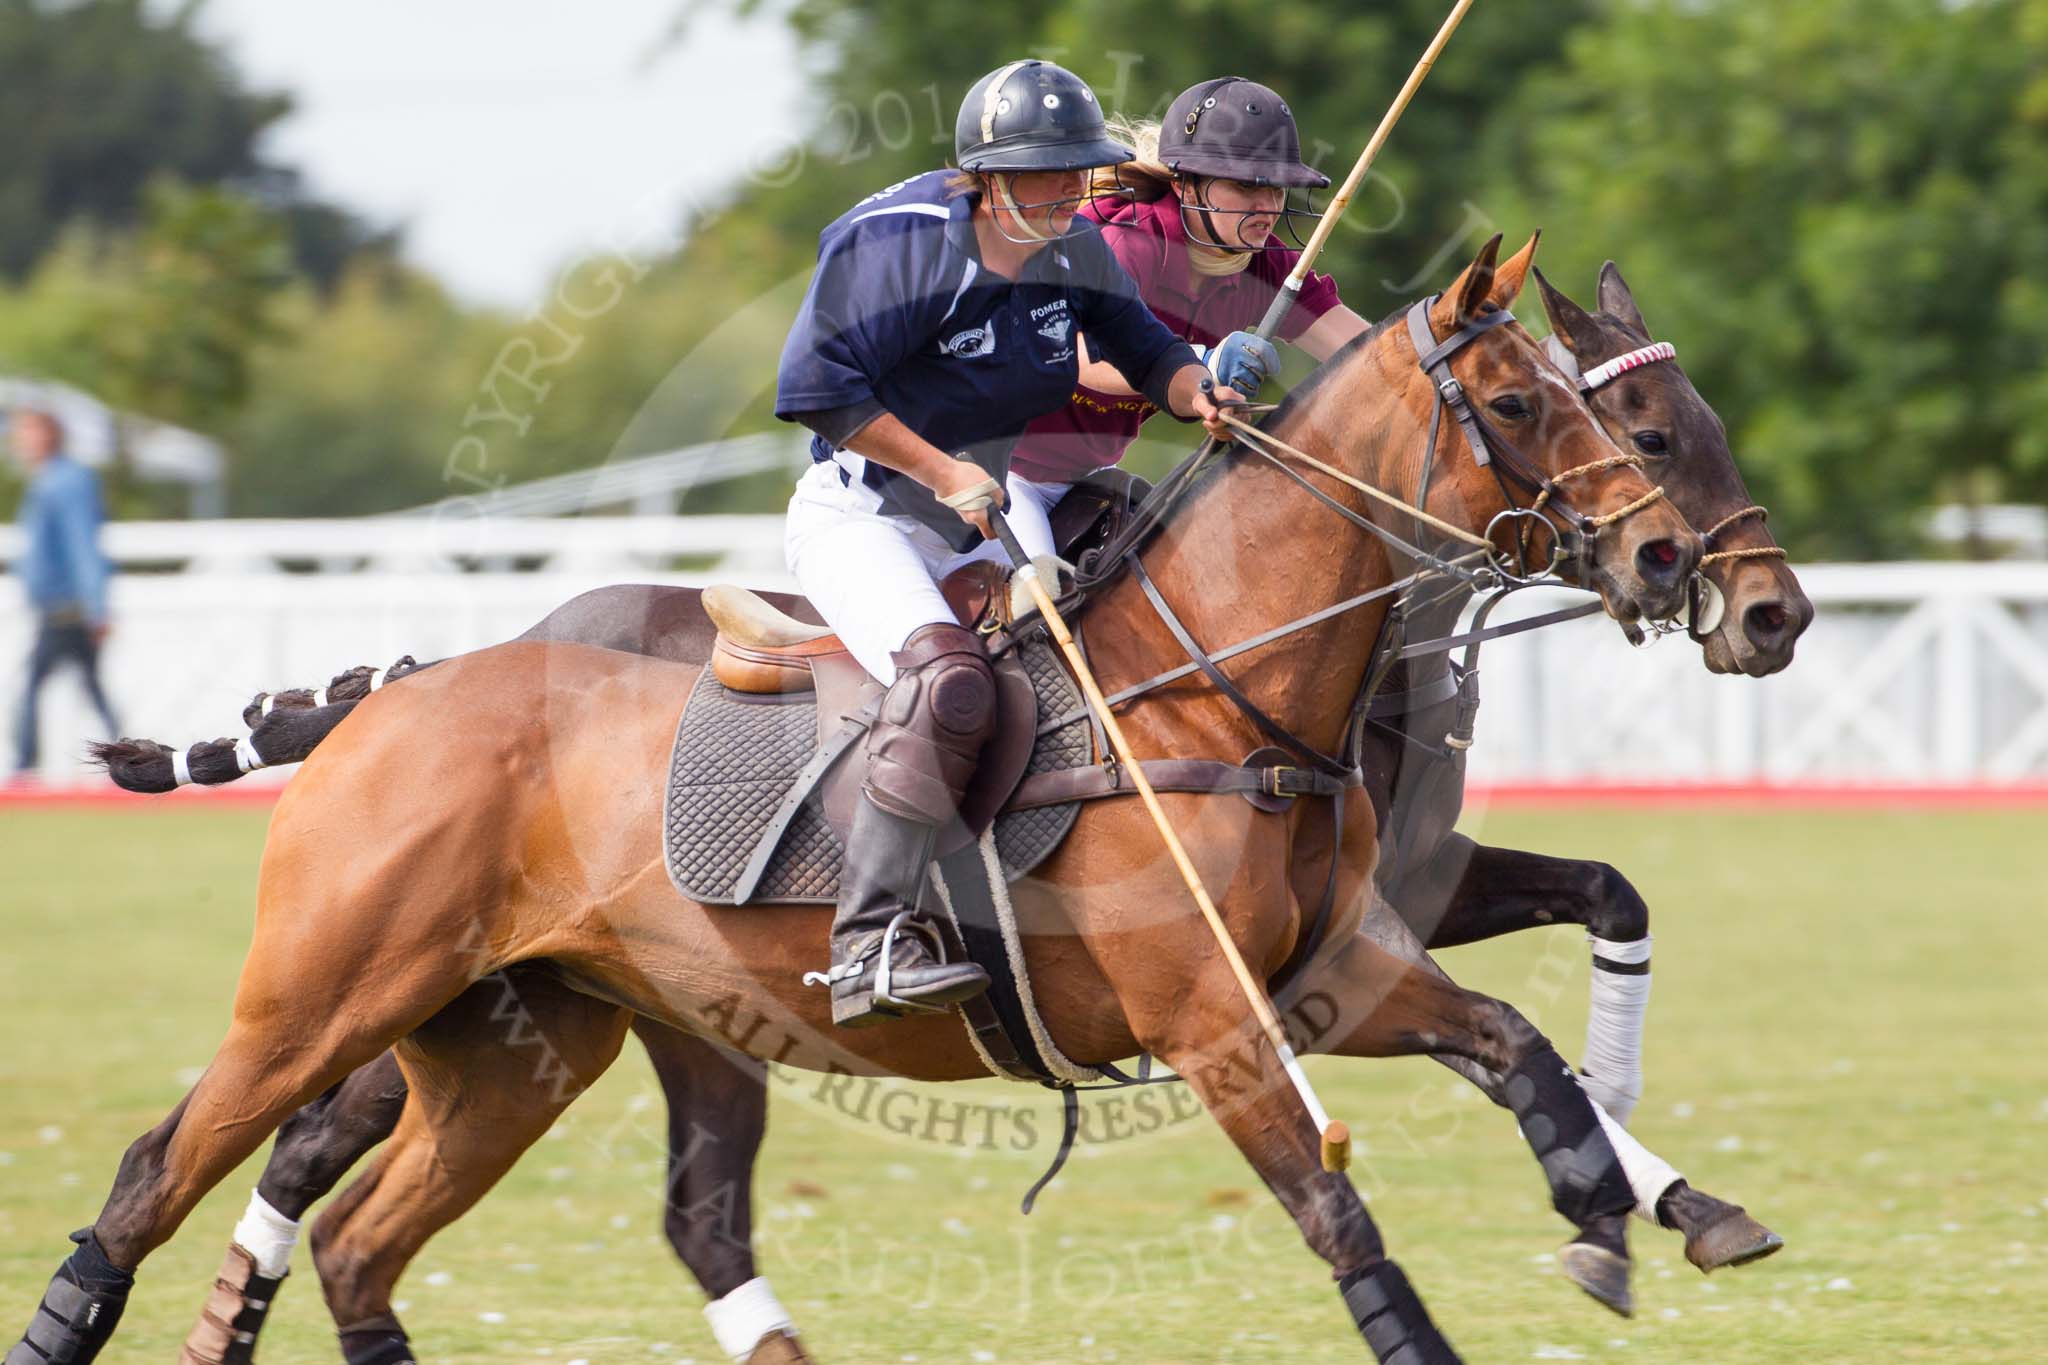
pixel 58 641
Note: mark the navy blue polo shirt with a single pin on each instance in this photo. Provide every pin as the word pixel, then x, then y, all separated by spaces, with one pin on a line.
pixel 902 313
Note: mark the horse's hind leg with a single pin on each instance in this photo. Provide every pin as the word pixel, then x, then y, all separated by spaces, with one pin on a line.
pixel 717 1116
pixel 313 1150
pixel 275 1058
pixel 477 1101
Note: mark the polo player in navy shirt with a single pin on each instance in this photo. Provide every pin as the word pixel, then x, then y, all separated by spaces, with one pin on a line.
pixel 941 320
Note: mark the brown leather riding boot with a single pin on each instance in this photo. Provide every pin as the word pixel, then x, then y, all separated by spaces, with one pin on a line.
pixel 887 958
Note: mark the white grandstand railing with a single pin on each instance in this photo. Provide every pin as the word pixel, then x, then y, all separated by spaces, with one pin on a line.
pixel 651 485
pixel 1911 674
pixel 449 543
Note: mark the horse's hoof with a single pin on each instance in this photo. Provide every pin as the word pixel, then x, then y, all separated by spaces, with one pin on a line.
pixel 1601 1274
pixel 1733 1239
pixel 778 1348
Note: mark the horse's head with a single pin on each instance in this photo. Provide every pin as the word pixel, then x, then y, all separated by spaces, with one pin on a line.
pixel 1654 410
pixel 1545 453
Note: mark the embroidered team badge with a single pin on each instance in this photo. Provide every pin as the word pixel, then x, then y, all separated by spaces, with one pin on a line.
pixel 972 344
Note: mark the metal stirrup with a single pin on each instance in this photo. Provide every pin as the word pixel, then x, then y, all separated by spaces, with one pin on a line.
pixel 885 970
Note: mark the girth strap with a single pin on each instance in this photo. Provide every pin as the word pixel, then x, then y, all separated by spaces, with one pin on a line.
pixel 1389 705
pixel 1098 780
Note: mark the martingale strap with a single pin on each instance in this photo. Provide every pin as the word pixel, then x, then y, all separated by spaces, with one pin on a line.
pixel 1272 729
pixel 1474 637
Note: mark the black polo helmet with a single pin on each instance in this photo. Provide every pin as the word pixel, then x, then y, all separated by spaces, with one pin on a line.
pixel 1033 116
pixel 1235 129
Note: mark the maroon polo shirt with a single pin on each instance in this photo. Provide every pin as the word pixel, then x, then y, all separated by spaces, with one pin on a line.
pixel 1094 429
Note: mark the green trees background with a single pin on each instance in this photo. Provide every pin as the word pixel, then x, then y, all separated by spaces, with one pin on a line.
pixel 1838 212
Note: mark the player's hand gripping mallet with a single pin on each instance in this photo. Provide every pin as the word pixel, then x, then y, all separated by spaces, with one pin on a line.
pixel 1336 1137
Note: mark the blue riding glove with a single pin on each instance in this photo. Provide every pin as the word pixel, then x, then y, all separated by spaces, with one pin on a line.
pixel 1243 361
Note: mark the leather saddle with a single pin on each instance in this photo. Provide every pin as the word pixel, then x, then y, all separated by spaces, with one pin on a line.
pixel 763 651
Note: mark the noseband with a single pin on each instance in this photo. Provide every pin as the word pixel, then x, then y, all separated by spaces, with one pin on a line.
pixel 1705 601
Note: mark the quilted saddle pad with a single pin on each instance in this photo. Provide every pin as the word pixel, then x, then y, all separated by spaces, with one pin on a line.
pixel 737 755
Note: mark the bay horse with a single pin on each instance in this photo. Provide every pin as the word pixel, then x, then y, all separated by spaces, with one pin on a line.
pixel 1446 889
pixel 500 810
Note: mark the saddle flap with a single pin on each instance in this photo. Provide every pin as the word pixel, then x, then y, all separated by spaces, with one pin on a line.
pixel 843 688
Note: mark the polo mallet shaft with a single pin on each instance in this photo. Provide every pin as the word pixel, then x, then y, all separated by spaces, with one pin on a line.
pixel 1283 302
pixel 1336 1137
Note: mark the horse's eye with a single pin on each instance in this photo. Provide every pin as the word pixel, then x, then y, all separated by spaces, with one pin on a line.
pixel 1508 405
pixel 1651 443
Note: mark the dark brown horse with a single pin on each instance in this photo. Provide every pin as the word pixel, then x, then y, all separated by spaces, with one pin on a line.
pixel 499 810
pixel 1446 888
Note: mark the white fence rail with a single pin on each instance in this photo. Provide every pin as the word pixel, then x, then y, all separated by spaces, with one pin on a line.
pixel 1911 674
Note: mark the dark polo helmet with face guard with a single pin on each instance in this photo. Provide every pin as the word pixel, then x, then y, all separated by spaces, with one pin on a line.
pixel 1033 116
pixel 1235 129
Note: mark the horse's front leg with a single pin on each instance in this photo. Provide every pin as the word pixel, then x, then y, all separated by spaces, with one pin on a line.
pixel 1467 892
pixel 1205 1029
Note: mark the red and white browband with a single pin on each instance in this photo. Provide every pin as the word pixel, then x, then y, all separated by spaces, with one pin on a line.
pixel 1622 364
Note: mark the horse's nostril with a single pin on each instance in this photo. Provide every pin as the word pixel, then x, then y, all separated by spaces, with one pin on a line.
pixel 1765 621
pixel 1657 561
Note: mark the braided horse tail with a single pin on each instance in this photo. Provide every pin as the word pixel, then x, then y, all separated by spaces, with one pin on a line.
pixel 284 727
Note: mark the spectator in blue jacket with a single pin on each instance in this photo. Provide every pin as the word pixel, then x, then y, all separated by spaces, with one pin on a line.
pixel 62 568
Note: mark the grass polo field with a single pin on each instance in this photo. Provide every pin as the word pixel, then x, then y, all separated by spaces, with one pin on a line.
pixel 1845 1035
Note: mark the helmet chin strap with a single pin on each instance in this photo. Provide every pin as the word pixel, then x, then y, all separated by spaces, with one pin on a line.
pixel 1232 258
pixel 1030 235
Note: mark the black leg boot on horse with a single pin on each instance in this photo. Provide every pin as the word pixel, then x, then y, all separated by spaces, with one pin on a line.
pixel 887 959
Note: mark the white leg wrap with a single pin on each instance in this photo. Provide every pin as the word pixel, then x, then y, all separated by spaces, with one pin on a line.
pixel 267 1235
pixel 743 1317
pixel 1612 1068
pixel 1649 1175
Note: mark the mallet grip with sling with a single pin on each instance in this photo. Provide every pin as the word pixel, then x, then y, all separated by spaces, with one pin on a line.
pixel 1336 1137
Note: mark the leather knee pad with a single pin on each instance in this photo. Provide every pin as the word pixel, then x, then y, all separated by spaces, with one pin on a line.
pixel 934 720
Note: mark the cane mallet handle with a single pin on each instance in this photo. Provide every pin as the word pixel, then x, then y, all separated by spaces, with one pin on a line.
pixel 1336 1137
pixel 1283 301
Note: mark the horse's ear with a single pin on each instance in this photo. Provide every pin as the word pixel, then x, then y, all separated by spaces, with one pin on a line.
pixel 1572 325
pixel 1615 298
pixel 1508 279
pixel 1468 295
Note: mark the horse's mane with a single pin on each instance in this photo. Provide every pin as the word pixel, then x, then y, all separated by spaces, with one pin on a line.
pixel 1321 374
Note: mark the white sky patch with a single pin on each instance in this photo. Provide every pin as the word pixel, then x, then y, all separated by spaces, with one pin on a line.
pixel 510 138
